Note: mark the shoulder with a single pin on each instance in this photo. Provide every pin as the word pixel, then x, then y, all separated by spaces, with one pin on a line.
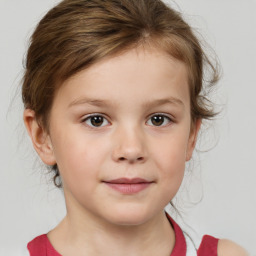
pixel 229 248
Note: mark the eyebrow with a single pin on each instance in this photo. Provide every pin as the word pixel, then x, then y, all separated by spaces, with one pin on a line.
pixel 160 102
pixel 93 102
pixel 106 103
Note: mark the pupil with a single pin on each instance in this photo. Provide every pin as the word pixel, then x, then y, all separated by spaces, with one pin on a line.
pixel 157 120
pixel 97 120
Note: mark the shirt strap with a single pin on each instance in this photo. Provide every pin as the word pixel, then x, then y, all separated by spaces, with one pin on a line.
pixel 208 247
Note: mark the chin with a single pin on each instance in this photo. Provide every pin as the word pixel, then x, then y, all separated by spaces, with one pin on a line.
pixel 129 217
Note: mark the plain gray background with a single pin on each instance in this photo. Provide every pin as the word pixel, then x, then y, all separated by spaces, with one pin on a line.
pixel 223 178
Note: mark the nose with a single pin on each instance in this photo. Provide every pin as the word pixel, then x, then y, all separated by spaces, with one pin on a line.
pixel 129 146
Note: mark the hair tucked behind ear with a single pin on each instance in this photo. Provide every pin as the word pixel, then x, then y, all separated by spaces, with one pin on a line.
pixel 78 33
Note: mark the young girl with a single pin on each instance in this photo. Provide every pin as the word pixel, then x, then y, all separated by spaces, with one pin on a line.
pixel 113 104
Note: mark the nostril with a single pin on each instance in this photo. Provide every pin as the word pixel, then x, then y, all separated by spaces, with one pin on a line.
pixel 136 159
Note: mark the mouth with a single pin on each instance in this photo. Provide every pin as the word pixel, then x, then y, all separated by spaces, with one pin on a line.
pixel 128 186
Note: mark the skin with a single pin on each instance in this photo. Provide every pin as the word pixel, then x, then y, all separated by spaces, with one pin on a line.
pixel 125 92
pixel 229 248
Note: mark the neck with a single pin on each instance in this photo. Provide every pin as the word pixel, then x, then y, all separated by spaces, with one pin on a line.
pixel 77 235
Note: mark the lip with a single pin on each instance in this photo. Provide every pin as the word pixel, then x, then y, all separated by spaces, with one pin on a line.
pixel 128 186
pixel 128 181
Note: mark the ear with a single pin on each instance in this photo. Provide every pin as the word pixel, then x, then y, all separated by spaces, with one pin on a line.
pixel 40 138
pixel 193 138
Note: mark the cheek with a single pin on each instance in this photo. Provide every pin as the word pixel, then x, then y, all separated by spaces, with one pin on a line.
pixel 173 171
pixel 79 159
pixel 171 153
pixel 170 160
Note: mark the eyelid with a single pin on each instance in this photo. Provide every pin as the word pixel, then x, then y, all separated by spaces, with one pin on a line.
pixel 88 116
pixel 168 116
pixel 161 114
pixel 165 115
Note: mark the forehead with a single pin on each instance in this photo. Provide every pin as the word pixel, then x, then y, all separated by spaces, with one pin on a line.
pixel 143 72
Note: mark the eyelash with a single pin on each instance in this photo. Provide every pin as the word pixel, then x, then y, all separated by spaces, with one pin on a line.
pixel 166 118
pixel 89 118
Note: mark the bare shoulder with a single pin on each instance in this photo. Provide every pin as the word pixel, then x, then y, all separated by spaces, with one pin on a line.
pixel 229 248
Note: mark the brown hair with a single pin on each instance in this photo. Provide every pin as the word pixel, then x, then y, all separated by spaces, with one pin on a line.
pixel 78 33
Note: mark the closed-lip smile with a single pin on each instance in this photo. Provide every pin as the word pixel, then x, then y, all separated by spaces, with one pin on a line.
pixel 128 185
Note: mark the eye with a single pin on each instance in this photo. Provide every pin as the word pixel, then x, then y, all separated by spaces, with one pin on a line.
pixel 159 120
pixel 96 121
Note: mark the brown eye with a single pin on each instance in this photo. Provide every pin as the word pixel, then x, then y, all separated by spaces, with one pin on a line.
pixel 158 120
pixel 96 121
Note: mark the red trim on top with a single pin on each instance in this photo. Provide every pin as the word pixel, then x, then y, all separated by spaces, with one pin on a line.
pixel 41 246
pixel 180 247
pixel 208 247
pixel 37 247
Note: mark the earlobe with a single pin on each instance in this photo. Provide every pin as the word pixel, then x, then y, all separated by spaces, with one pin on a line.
pixel 193 138
pixel 39 137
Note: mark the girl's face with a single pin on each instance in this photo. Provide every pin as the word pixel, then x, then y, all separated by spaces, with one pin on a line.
pixel 121 133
